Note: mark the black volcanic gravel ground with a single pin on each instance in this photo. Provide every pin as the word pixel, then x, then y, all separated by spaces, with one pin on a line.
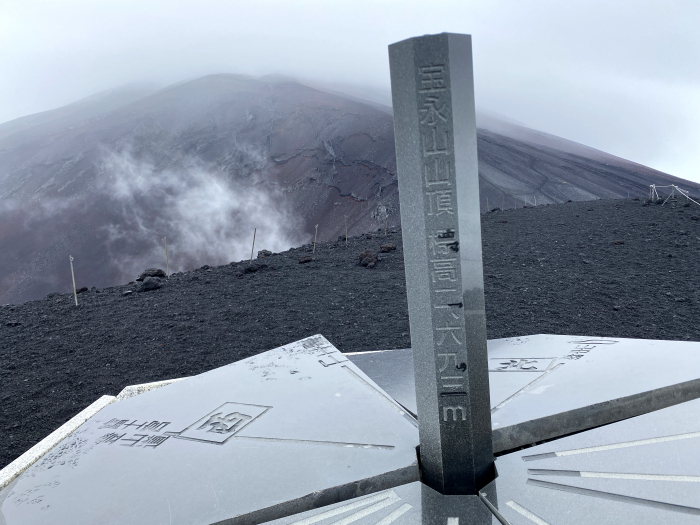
pixel 550 269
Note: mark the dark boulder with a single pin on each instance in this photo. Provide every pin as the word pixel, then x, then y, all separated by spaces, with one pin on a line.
pixel 244 269
pixel 388 247
pixel 82 290
pixel 264 253
pixel 306 259
pixel 152 272
pixel 368 259
pixel 151 283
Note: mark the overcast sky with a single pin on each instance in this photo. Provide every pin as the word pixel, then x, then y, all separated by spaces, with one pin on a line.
pixel 622 76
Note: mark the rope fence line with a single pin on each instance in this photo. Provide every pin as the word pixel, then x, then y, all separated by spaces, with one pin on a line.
pixel 654 194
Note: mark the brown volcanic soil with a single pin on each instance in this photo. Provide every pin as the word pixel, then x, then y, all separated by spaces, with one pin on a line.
pixel 550 269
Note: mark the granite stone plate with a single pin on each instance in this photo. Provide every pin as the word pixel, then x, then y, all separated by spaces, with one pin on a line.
pixel 644 470
pixel 548 386
pixel 282 432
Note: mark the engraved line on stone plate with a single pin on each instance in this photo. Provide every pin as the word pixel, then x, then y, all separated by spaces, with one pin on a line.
pixel 389 400
pixel 393 498
pixel 612 446
pixel 493 509
pixel 391 518
pixel 524 512
pixel 312 442
pixel 347 508
pixel 610 475
pixel 615 497
pixel 551 368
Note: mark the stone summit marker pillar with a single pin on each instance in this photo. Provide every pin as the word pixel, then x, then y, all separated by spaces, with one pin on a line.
pixel 435 129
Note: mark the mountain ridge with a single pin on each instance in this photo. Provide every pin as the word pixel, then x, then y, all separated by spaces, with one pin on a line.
pixel 207 161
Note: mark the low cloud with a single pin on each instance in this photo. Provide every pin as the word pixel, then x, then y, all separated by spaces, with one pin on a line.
pixel 206 214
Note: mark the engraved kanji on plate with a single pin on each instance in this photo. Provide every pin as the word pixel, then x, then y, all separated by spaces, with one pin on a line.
pixel 440 202
pixel 220 424
pixel 115 423
pixel 448 329
pixel 432 111
pixel 444 270
pixel 449 376
pixel 437 171
pixel 432 78
pixel 519 364
pixel 443 243
pixel 110 438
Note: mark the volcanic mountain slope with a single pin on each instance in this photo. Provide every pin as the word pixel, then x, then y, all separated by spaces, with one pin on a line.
pixel 204 163
pixel 613 268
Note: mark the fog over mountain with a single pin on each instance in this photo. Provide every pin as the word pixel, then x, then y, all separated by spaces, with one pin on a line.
pixel 205 162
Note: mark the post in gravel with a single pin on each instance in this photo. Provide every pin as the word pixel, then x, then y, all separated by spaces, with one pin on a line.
pixel 433 98
pixel 315 235
pixel 346 230
pixel 252 247
pixel 72 274
pixel 167 263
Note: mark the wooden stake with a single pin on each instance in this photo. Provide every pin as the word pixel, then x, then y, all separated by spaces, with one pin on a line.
pixel 346 230
pixel 487 204
pixel 75 293
pixel 386 225
pixel 253 247
pixel 167 263
pixel 315 235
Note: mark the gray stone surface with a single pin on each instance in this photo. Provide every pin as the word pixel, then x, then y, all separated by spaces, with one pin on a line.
pixel 545 386
pixel 279 433
pixel 644 470
pixel 412 504
pixel 31 456
pixel 435 132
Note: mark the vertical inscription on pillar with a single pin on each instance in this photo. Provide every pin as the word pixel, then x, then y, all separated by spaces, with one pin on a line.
pixel 435 132
pixel 438 181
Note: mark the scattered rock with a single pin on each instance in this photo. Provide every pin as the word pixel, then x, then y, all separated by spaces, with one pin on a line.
pixel 619 242
pixel 152 272
pixel 341 238
pixel 388 247
pixel 503 222
pixel 82 290
pixel 151 283
pixel 250 268
pixel 127 292
pixel 264 253
pixel 205 267
pixel 306 259
pixel 368 258
pixel 13 323
pixel 695 218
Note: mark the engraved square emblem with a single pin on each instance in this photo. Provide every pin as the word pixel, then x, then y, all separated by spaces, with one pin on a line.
pixel 222 423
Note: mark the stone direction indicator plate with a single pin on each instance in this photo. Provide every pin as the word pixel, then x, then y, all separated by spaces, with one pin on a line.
pixel 644 470
pixel 547 386
pixel 272 435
